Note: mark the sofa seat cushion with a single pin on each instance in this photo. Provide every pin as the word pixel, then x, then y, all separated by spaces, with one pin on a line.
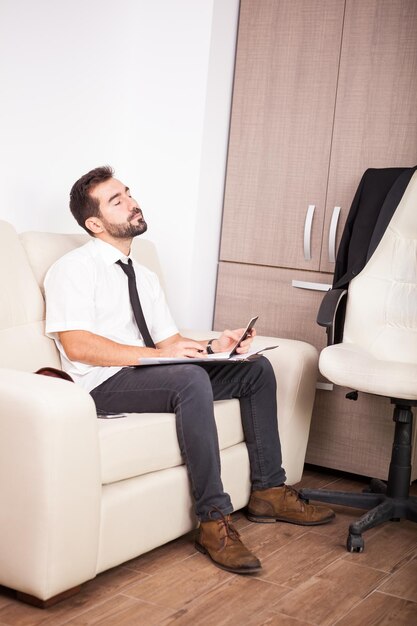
pixel 147 442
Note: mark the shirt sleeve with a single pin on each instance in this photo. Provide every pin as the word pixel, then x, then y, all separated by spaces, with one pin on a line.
pixel 69 295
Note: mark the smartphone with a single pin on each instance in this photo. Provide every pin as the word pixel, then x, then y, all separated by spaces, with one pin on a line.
pixel 245 334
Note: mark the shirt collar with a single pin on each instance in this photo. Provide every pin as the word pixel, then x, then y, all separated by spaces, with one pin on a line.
pixel 110 254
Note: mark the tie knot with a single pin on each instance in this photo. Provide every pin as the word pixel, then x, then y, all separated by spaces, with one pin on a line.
pixel 127 267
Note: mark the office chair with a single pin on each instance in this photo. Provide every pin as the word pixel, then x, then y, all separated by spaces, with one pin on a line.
pixel 371 319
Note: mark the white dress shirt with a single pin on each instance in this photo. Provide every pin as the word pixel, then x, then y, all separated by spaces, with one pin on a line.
pixel 86 290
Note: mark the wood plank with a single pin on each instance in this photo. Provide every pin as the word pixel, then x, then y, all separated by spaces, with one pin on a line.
pixel 176 587
pixel 240 601
pixel 404 582
pixel 92 593
pixel 169 554
pixel 266 539
pixel 276 619
pixel 389 548
pixel 382 610
pixel 300 559
pixel 342 584
pixel 122 611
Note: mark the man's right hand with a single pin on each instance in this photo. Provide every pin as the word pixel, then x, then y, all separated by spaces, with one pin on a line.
pixel 179 347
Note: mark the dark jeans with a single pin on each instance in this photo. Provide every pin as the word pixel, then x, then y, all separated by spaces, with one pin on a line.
pixel 189 391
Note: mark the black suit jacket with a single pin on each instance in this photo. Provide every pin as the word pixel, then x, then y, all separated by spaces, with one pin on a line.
pixel 373 206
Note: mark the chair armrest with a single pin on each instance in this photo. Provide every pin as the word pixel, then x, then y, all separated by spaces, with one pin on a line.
pixel 50 482
pixel 328 314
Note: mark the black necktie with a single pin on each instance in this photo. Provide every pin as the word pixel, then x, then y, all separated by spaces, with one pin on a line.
pixel 135 302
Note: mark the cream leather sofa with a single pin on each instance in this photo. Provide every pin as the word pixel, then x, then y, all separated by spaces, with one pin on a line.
pixel 79 494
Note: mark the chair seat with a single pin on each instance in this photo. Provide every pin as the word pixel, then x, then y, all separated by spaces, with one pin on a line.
pixel 349 365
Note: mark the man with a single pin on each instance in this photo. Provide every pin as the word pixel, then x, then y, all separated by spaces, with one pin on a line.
pixel 89 314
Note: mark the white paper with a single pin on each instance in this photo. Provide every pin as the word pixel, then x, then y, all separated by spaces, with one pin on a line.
pixel 218 356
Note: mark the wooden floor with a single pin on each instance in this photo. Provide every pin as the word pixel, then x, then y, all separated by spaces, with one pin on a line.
pixel 307 578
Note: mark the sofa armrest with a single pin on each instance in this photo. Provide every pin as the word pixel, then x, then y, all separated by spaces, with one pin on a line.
pixel 296 369
pixel 50 484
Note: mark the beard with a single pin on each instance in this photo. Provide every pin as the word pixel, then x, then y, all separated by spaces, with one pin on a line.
pixel 128 230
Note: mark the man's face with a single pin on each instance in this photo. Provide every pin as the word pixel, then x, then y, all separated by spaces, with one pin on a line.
pixel 120 216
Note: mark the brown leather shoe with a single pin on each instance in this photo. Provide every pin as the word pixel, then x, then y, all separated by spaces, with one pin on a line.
pixel 221 542
pixel 283 504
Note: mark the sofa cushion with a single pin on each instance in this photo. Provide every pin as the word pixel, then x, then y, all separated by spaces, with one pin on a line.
pixel 147 442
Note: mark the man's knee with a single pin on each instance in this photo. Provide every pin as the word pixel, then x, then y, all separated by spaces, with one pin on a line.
pixel 193 379
pixel 263 367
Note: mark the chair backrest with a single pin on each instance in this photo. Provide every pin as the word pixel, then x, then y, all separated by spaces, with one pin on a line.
pixel 24 261
pixel 381 311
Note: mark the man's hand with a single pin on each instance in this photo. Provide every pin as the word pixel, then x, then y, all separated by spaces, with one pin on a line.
pixel 180 348
pixel 229 338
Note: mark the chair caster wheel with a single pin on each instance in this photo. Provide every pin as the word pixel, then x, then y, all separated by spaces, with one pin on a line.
pixel 375 486
pixel 355 543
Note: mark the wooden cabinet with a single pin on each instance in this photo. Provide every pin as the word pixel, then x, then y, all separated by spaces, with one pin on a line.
pixel 323 90
pixel 280 139
pixel 375 121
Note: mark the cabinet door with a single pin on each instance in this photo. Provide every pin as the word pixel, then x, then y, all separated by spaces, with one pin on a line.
pixel 281 128
pixel 285 307
pixel 376 112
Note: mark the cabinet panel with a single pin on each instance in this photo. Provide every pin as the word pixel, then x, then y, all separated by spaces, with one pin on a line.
pixel 353 436
pixel 282 116
pixel 376 113
pixel 284 310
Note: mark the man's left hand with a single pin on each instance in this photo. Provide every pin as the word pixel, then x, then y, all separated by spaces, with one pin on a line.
pixel 228 339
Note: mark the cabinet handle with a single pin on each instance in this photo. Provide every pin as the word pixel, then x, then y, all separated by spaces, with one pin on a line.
pixel 307 231
pixel 302 284
pixel 332 234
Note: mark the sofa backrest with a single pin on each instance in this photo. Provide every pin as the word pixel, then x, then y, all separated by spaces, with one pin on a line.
pixel 23 344
pixel 24 261
pixel 43 249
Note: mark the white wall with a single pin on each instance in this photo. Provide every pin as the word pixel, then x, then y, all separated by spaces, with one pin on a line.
pixel 142 85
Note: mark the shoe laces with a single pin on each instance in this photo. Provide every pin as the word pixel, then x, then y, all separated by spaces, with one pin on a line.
pixel 225 526
pixel 291 492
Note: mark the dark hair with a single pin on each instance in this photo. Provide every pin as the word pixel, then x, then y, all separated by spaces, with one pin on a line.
pixel 82 204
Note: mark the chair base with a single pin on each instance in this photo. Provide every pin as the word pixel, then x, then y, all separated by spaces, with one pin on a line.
pixel 382 508
pixel 384 502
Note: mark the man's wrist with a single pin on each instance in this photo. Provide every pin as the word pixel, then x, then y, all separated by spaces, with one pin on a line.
pixel 209 347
